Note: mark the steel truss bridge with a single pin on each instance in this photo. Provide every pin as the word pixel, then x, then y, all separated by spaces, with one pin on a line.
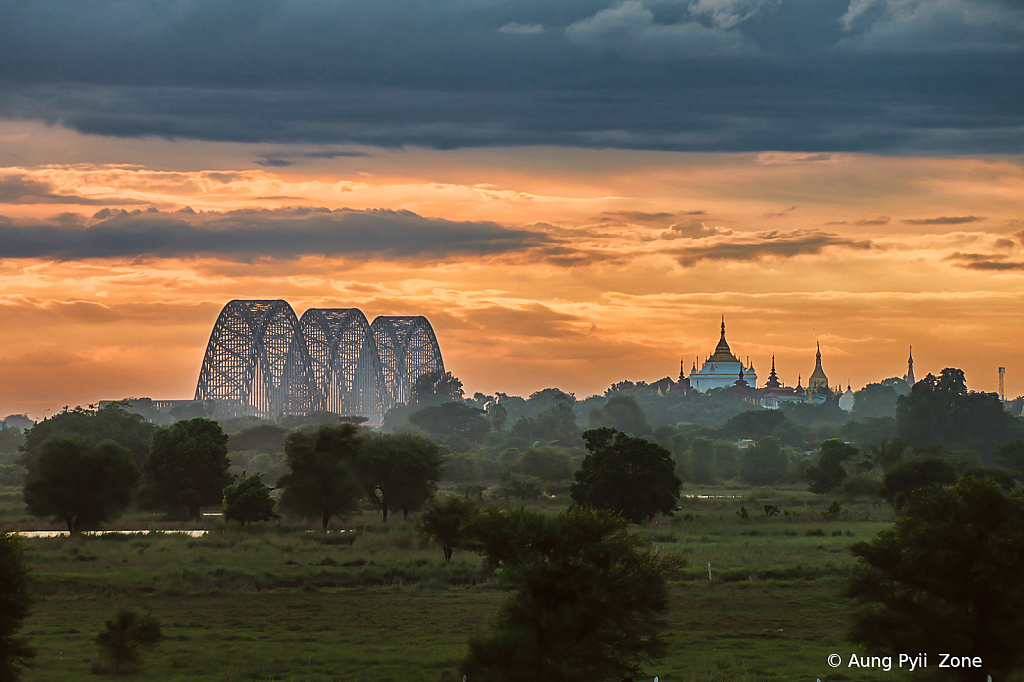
pixel 262 357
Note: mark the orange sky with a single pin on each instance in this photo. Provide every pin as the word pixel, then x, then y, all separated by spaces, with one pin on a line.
pixel 629 260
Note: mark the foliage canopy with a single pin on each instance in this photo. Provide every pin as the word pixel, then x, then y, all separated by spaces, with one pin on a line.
pixel 187 466
pixel 248 500
pixel 322 481
pixel 15 599
pixel 628 475
pixel 399 471
pixel 587 601
pixel 80 484
pixel 946 577
pixel 111 422
pixel 444 521
pixel 940 410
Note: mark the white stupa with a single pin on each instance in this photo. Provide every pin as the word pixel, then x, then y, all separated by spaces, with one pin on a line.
pixel 722 369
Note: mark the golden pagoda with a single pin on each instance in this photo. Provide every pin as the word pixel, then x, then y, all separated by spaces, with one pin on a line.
pixel 817 380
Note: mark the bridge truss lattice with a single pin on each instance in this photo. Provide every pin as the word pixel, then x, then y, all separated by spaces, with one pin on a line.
pixel 261 357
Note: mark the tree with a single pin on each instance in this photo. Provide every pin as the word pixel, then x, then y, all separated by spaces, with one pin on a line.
pixel 518 485
pixel 436 387
pixel 187 466
pixel 545 463
pixel 248 499
pixel 622 413
pixel 79 484
pixel 122 636
pixel 901 480
pixel 399 471
pixel 111 422
pixel 870 431
pixel 265 438
pixel 764 462
pixel 946 577
pixel 11 440
pixel 875 400
pixel 1012 455
pixel 322 481
pixel 626 474
pixel 587 603
pixel 554 423
pixel 455 424
pixel 702 460
pixel 940 411
pixel 754 424
pixel 15 599
pixel 828 473
pixel 444 522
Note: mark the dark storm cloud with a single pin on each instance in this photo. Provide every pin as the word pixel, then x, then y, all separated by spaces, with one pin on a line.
pixel 769 244
pixel 709 75
pixel 253 234
pixel 281 160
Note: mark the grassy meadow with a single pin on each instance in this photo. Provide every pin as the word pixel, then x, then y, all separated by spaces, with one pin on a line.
pixel 371 602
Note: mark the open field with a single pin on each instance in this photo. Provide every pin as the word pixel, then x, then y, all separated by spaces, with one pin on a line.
pixel 377 604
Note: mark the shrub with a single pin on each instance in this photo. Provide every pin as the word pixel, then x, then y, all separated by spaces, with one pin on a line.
pixel 120 642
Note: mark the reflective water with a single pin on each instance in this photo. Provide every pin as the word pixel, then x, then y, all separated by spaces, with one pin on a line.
pixel 61 533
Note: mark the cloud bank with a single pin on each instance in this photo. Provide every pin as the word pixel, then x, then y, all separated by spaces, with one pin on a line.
pixel 699 75
pixel 253 234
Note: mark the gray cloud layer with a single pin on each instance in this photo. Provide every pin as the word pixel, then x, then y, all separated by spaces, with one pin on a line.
pixel 248 235
pixel 719 75
pixel 767 245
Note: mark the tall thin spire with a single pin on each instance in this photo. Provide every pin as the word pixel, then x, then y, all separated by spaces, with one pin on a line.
pixel 910 367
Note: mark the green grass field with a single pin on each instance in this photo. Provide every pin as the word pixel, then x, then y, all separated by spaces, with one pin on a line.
pixel 377 604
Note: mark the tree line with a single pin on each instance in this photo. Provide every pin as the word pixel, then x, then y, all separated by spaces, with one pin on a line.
pixel 85 467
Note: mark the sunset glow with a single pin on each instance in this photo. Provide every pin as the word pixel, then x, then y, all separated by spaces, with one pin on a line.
pixel 539 261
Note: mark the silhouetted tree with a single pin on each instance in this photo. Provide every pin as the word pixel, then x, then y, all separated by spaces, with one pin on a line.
pixel 80 484
pixel 627 475
pixel 940 410
pixel 444 521
pixel 248 500
pixel 946 578
pixel 827 472
pixel 436 387
pixel 187 466
pixel 15 599
pixel 399 471
pixel 587 603
pixel 322 482
pixel 875 400
pixel 902 480
pixel 111 422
